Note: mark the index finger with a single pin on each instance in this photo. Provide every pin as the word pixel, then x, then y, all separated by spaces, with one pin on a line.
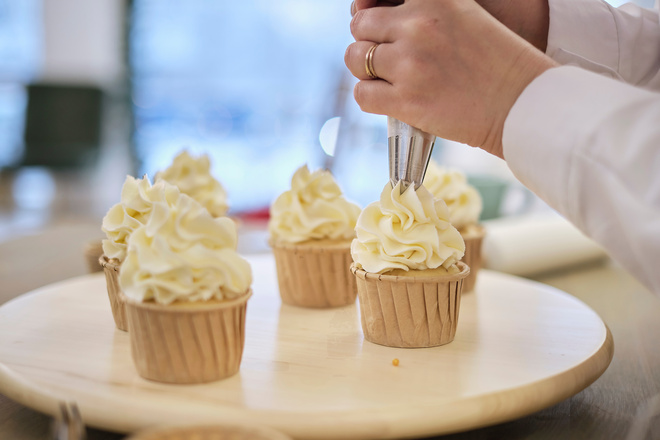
pixel 358 5
pixel 374 24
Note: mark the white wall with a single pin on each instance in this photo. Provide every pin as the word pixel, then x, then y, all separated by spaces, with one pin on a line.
pixel 82 41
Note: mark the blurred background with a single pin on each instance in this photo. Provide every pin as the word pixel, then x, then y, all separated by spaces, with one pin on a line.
pixel 91 91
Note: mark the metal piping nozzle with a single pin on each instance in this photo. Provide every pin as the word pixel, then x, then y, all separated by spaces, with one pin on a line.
pixel 409 152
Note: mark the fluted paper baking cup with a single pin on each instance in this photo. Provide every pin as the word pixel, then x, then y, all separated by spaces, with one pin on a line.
pixel 315 277
pixel 473 256
pixel 115 295
pixel 187 343
pixel 409 311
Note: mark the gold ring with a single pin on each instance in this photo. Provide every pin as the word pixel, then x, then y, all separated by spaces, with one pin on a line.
pixel 369 62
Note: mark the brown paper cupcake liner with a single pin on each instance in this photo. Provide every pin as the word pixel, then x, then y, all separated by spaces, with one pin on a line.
pixel 407 311
pixel 115 295
pixel 189 343
pixel 473 256
pixel 315 277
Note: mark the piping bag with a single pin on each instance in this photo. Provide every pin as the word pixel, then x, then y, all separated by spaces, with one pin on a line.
pixel 409 153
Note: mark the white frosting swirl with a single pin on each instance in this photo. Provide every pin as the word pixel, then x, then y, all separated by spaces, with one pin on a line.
pixel 312 209
pixel 193 177
pixel 463 200
pixel 182 253
pixel 409 231
pixel 137 200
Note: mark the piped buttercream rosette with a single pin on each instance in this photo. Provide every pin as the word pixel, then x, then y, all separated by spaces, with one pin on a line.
pixel 462 199
pixel 193 177
pixel 313 209
pixel 183 253
pixel 138 198
pixel 409 231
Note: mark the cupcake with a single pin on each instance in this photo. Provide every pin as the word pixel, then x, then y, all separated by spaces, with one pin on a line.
pixel 193 177
pixel 407 265
pixel 465 205
pixel 311 227
pixel 186 291
pixel 137 201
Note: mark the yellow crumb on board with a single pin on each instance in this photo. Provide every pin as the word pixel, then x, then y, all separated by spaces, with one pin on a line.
pixel 395 362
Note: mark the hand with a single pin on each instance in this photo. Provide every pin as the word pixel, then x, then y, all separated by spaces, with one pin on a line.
pixel 528 18
pixel 447 67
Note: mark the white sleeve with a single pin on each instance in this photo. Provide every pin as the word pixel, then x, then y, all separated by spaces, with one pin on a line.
pixel 590 147
pixel 622 42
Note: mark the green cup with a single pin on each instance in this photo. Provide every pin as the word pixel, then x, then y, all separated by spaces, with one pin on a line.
pixel 495 191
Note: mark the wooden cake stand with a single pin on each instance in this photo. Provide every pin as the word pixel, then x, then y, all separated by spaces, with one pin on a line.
pixel 520 346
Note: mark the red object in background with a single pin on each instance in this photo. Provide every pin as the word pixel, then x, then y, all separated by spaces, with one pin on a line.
pixel 262 214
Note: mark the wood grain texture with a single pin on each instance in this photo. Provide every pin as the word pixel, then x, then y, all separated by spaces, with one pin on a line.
pixel 185 346
pixel 398 311
pixel 217 432
pixel 519 347
pixel 473 256
pixel 315 277
pixel 115 295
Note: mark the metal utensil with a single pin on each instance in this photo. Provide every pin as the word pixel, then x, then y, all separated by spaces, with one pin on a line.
pixel 409 153
pixel 69 424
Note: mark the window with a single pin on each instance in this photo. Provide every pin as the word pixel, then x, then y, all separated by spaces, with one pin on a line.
pixel 253 84
pixel 20 51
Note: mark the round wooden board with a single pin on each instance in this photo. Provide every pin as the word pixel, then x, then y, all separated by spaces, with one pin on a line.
pixel 520 347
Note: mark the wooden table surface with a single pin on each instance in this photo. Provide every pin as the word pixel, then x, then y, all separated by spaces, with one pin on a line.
pixel 623 404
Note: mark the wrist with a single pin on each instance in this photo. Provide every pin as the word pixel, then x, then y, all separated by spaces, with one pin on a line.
pixel 526 68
